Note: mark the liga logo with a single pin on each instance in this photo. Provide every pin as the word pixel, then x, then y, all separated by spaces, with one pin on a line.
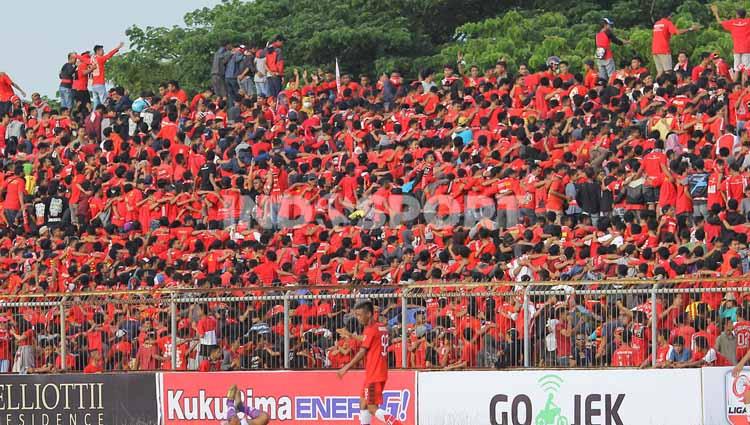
pixel 737 394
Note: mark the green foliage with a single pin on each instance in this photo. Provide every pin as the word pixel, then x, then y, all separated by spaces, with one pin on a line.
pixel 370 36
pixel 531 37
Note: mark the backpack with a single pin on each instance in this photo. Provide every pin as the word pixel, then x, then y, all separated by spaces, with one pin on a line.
pixel 634 192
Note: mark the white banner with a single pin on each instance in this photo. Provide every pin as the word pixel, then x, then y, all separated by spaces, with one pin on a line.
pixel 726 399
pixel 561 397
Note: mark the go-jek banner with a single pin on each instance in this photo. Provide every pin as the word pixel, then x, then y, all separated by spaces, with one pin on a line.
pixel 303 398
pixel 558 397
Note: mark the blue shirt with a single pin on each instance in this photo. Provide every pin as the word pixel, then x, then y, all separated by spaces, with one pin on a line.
pixel 233 65
pixel 684 356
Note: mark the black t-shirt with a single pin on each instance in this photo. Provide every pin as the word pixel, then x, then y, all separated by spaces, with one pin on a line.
pixel 67 75
pixel 208 169
pixel 698 186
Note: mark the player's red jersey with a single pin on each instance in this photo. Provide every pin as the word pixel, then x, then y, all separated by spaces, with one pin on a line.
pixel 742 331
pixel 376 360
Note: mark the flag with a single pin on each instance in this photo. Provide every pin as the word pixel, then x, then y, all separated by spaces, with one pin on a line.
pixel 338 78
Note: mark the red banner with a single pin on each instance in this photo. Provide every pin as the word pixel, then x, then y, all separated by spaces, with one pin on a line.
pixel 288 397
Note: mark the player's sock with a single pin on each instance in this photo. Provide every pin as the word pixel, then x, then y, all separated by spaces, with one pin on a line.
pixel 365 417
pixel 386 418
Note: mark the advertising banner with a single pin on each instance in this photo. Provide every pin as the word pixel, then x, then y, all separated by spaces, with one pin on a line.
pixel 122 399
pixel 726 398
pixel 559 397
pixel 288 397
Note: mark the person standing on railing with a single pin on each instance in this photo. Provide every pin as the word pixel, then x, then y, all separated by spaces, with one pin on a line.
pixel 98 75
pixel 605 60
pixel 664 29
pixel 739 28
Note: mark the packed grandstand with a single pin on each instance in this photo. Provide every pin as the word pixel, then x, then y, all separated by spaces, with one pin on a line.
pixel 470 181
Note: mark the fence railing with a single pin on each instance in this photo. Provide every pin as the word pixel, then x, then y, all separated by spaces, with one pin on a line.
pixel 433 325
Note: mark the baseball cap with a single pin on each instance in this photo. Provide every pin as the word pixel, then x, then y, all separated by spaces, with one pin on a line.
pixel 608 21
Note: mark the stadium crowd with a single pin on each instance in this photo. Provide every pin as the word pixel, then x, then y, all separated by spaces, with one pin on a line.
pixel 350 184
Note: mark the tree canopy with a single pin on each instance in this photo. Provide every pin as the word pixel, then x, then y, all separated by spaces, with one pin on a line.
pixel 372 36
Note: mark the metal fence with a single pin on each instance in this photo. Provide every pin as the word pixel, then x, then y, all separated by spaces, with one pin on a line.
pixel 432 326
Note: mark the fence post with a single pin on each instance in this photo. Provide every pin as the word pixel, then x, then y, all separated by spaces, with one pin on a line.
pixel 173 325
pixel 63 348
pixel 286 330
pixel 526 341
pixel 404 336
pixel 654 320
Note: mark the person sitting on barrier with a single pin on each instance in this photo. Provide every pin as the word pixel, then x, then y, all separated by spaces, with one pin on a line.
pixel 48 360
pixel 95 363
pixel 213 362
pixel 240 414
pixel 705 355
pixel 679 354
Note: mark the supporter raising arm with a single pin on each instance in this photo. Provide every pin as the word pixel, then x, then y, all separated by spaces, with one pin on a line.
pixel 739 28
pixel 664 29
pixel 6 93
pixel 98 75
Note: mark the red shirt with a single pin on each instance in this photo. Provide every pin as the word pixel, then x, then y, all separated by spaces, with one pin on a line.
pixel 15 189
pixel 81 83
pixel 625 357
pixel 209 366
pixel 376 360
pixel 93 368
pixel 98 76
pixel 603 42
pixel 742 331
pixel 165 345
pixel 652 166
pixel 146 359
pixel 664 29
pixel 740 32
pixel 6 88
pixel 5 345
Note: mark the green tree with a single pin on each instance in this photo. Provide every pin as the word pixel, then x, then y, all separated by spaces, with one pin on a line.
pixel 371 36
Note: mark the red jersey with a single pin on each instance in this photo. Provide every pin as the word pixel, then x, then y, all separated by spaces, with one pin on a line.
pixel 5 345
pixel 165 345
pixel 603 46
pixel 664 29
pixel 626 357
pixel 740 31
pixel 6 88
pixel 742 332
pixel 661 354
pixel 652 165
pixel 376 360
pixel 98 75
